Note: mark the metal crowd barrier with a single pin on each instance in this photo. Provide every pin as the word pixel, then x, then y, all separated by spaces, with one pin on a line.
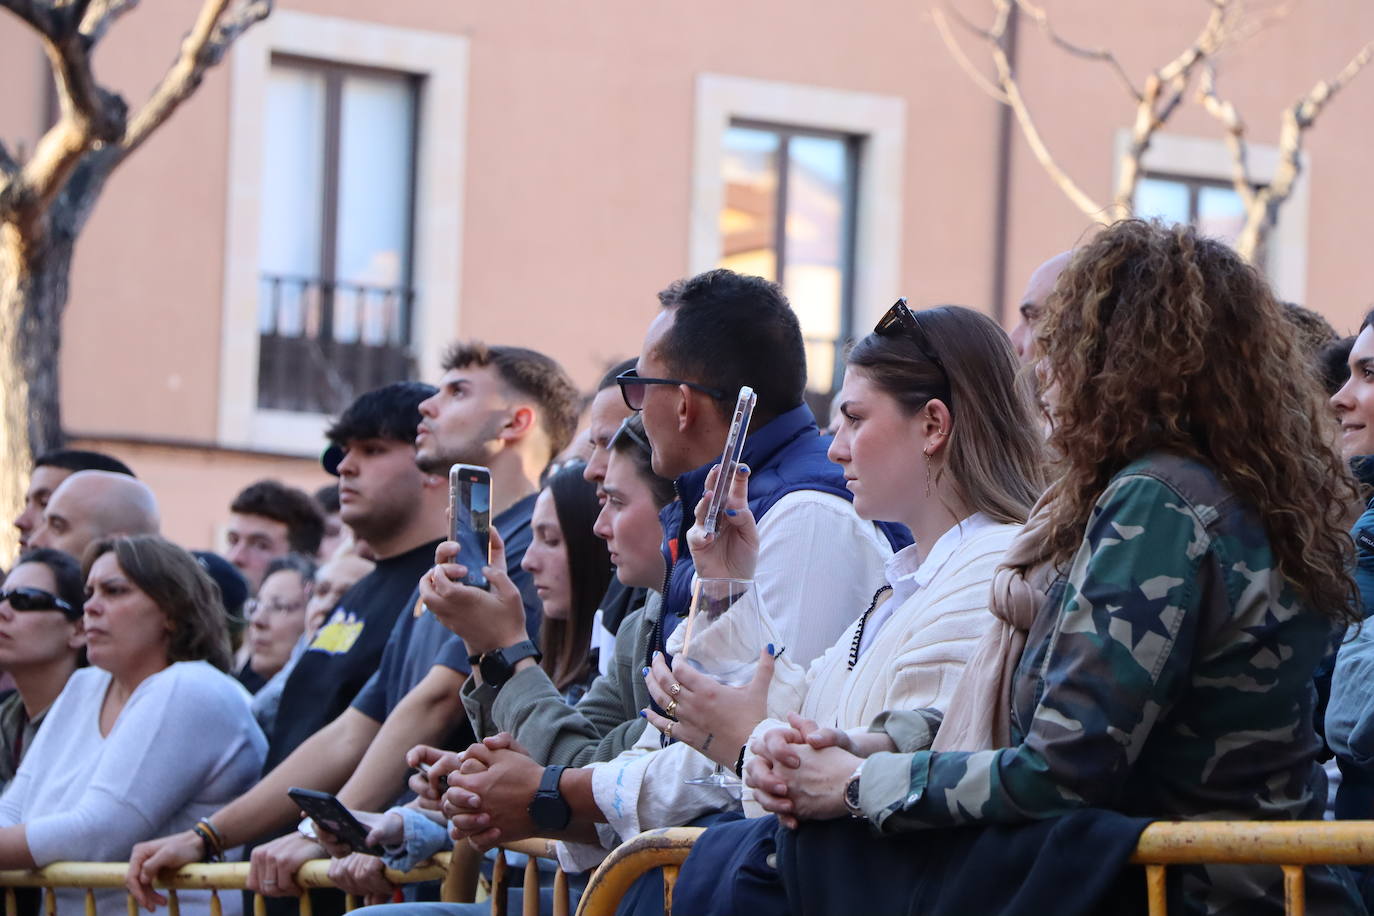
pixel 1290 845
pixel 214 877
pixel 460 872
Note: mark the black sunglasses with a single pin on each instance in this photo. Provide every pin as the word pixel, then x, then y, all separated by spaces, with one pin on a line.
pixel 633 386
pixel 35 599
pixel 899 319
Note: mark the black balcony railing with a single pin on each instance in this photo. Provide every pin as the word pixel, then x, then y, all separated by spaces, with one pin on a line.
pixel 322 343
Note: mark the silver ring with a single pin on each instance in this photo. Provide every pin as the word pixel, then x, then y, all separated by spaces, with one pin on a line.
pixel 675 688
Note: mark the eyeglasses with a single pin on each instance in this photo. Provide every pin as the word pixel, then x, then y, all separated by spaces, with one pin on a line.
pixel 633 386
pixel 35 599
pixel 627 431
pixel 901 318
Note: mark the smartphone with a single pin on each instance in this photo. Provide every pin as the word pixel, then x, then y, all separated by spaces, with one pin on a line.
pixel 729 459
pixel 469 505
pixel 328 812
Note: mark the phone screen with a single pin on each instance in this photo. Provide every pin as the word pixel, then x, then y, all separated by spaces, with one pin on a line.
pixel 729 459
pixel 470 509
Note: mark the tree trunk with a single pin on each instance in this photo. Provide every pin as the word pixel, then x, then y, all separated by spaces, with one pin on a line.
pixel 35 270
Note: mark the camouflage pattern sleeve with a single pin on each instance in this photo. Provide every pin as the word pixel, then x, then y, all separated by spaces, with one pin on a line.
pixel 1119 654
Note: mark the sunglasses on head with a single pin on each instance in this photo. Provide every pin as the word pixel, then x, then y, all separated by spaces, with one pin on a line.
pixel 901 320
pixel 633 387
pixel 626 431
pixel 35 599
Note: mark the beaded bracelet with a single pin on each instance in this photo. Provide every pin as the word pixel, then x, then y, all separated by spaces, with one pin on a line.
pixel 210 837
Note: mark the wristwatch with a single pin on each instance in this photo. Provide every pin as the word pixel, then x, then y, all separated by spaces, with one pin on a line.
pixel 548 810
pixel 851 793
pixel 498 665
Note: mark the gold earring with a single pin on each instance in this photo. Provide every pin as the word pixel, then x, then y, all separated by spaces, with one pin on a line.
pixel 927 454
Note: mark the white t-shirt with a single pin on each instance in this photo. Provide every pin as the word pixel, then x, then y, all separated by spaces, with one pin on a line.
pixel 184 745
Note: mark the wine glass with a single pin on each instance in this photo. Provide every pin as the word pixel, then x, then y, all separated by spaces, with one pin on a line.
pixel 723 637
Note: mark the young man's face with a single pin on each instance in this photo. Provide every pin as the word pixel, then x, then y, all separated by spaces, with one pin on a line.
pixel 380 487
pixel 461 422
pixel 1354 403
pixel 604 416
pixel 41 486
pixel 255 541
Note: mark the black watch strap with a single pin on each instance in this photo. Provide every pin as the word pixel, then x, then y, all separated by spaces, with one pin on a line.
pixel 498 665
pixel 549 810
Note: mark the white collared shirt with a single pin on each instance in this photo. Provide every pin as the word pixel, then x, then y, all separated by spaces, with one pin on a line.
pixel 907 573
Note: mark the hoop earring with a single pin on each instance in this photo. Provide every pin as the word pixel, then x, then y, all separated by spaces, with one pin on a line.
pixel 927 454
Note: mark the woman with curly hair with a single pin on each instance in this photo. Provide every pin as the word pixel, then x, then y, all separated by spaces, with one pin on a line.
pixel 1197 530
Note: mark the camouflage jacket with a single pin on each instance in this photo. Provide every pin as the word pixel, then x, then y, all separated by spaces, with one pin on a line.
pixel 1169 675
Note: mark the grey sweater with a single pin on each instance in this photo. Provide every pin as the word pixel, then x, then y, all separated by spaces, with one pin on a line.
pixel 604 722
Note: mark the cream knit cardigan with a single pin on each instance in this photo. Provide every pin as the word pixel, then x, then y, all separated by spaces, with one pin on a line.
pixel 917 657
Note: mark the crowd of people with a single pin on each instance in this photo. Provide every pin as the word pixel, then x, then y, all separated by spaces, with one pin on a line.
pixel 1029 592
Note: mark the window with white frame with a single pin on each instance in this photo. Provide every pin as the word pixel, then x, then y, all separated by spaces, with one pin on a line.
pixel 335 226
pixel 789 182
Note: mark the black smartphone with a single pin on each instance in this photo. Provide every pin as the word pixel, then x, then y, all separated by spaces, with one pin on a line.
pixel 328 812
pixel 469 503
pixel 729 459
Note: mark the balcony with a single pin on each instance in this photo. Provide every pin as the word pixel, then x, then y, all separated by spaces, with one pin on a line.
pixel 322 343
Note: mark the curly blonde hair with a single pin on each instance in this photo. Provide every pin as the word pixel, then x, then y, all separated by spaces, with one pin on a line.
pixel 1159 338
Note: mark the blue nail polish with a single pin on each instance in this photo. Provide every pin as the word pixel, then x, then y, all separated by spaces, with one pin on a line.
pixel 770 649
pixel 743 469
pixel 644 671
pixel 658 654
pixel 644 713
pixel 731 512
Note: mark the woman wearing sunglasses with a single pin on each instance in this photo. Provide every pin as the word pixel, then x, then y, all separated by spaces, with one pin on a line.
pixel 148 740
pixel 1197 525
pixel 40 646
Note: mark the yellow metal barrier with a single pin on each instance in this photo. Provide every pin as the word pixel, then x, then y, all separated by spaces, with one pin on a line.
pixel 214 877
pixel 666 848
pixel 1291 845
pixel 459 870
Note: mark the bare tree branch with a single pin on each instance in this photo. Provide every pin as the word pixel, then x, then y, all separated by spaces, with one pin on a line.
pixel 8 167
pixel 1042 19
pixel 1006 80
pixel 960 58
pixel 1225 112
pixel 101 15
pixel 1165 90
pixel 214 31
pixel 1262 214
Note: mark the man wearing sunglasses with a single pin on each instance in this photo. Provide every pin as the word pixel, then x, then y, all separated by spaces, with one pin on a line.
pixel 715 333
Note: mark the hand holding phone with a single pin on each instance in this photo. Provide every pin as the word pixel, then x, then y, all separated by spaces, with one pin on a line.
pixel 729 459
pixel 469 504
pixel 329 813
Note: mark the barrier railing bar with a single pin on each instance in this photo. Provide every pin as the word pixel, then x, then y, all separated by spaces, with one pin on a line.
pixel 1294 891
pixel 1155 889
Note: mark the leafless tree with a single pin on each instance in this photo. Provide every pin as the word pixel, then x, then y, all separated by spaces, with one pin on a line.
pixel 46 198
pixel 1155 100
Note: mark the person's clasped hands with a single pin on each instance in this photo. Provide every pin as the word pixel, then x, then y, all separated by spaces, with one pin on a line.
pixel 799 773
pixel 485 619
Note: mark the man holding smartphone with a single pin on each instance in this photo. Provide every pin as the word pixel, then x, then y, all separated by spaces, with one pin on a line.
pixel 715 333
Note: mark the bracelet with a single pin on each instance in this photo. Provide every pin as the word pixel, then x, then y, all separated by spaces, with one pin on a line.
pixel 739 762
pixel 213 851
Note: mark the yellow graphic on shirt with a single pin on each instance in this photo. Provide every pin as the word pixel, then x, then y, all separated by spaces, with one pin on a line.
pixel 339 634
